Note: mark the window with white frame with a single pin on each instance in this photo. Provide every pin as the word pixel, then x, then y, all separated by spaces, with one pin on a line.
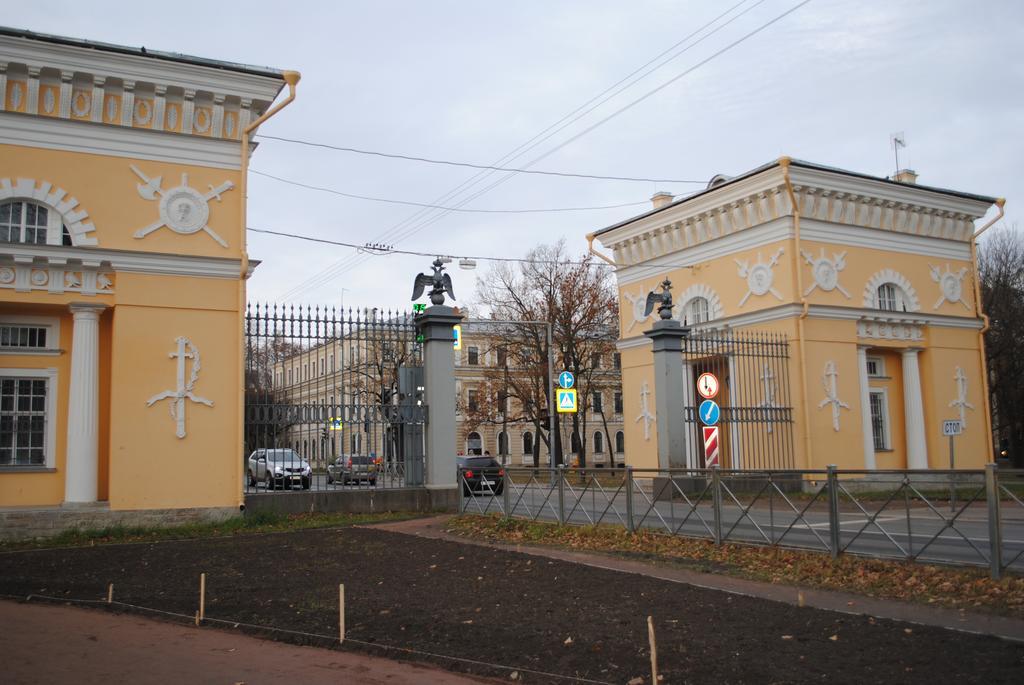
pixel 890 298
pixel 598 443
pixel 25 222
pixel 473 356
pixel 879 419
pixel 620 442
pixel 27 417
pixel 876 367
pixel 697 311
pixel 13 336
pixel 527 442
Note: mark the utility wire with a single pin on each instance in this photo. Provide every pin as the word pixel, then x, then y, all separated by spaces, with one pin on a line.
pixel 473 166
pixel 570 118
pixel 586 108
pixel 448 209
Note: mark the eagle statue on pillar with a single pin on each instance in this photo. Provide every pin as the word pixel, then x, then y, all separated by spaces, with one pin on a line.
pixel 662 299
pixel 440 283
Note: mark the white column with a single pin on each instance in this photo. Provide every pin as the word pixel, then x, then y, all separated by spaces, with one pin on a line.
pixel 128 103
pixel 865 409
pixel 32 103
pixel 67 86
pixel 159 104
pixel 97 98
pixel 80 478
pixel 913 408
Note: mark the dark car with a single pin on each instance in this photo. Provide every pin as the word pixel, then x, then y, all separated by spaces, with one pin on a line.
pixel 480 474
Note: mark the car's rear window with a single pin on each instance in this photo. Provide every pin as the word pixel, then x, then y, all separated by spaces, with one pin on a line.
pixel 362 460
pixel 480 462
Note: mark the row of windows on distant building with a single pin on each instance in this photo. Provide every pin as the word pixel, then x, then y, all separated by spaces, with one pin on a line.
pixel 475 444
pixel 501 401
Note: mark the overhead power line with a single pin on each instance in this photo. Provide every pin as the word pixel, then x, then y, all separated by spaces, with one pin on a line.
pixel 448 209
pixel 427 160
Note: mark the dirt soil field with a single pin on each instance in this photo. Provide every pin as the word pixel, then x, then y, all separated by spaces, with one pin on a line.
pixel 505 608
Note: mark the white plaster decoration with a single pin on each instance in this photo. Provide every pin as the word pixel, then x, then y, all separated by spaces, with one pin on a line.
pixel 7 275
pixel 69 259
pixel 16 95
pixel 39 277
pixel 202 120
pixel 72 280
pixel 111 108
pixel 960 403
pixel 769 388
pixel 244 114
pixel 80 103
pixel 951 286
pixel 887 329
pixel 56 200
pixel 867 433
pixel 183 391
pixel 910 300
pixel 188 111
pixel 143 112
pixel 80 482
pixel 229 125
pixel 49 101
pixel 830 380
pixel 638 303
pixel 3 86
pixel 913 411
pixel 32 105
pixel 826 271
pixel 128 103
pixel 159 105
pixel 97 98
pixel 715 309
pixel 172 117
pixel 56 278
pixel 759 276
pixel 66 90
pixel 217 122
pixel 182 208
pixel 645 410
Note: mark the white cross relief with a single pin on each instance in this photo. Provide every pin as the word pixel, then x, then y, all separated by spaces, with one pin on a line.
pixel 951 285
pixel 186 350
pixel 830 379
pixel 826 271
pixel 645 411
pixel 759 276
pixel 768 380
pixel 183 209
pixel 638 302
pixel 961 402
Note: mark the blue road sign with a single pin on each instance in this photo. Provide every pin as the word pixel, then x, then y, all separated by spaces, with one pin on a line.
pixel 566 380
pixel 709 412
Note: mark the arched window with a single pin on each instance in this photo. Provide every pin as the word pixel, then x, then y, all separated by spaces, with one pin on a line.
pixel 598 443
pixel 697 311
pixel 891 298
pixel 27 222
pixel 527 442
pixel 474 445
pixel 305 446
pixel 502 442
pixel 620 442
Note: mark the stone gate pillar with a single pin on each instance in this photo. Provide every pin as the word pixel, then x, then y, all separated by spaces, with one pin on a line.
pixel 667 336
pixel 435 325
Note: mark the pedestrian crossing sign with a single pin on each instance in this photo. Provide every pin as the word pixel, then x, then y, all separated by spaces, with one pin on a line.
pixel 335 424
pixel 566 400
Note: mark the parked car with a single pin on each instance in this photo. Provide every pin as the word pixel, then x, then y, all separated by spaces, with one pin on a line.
pixel 354 468
pixel 279 467
pixel 480 474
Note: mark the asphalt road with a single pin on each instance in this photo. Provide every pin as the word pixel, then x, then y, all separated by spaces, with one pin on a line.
pixel 895 531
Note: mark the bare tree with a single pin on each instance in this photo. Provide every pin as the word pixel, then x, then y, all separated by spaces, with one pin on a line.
pixel 576 295
pixel 1001 268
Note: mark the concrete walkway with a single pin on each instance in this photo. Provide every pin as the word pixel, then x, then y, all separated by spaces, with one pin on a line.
pixel 61 644
pixel 921 614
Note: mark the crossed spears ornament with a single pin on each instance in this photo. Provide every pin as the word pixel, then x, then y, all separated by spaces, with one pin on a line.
pixel 183 209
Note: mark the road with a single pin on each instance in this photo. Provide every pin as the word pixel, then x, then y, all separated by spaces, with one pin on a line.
pixel 895 531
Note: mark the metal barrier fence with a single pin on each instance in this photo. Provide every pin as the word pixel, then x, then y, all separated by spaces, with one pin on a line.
pixel 331 399
pixel 966 518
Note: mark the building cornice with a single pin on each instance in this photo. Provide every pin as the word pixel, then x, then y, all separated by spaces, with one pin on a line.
pixel 44 256
pixel 825 196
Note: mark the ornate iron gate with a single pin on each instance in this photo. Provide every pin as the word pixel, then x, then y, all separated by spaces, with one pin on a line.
pixel 756 424
pixel 338 389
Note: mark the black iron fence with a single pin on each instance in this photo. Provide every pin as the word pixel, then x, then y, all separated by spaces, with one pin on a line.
pixel 332 399
pixel 756 424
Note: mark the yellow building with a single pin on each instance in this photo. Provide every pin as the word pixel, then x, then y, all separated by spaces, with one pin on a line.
pixel 869 282
pixel 122 274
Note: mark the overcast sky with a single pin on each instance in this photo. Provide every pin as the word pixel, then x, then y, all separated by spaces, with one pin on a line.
pixel 472 81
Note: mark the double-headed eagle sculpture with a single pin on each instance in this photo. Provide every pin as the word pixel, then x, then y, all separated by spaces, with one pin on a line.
pixel 440 283
pixel 662 299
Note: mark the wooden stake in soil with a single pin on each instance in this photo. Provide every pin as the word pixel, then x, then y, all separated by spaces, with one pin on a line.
pixel 654 651
pixel 341 614
pixel 800 598
pixel 202 598
pixel 110 593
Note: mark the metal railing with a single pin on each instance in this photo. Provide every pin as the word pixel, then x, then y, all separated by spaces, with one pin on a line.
pixel 964 518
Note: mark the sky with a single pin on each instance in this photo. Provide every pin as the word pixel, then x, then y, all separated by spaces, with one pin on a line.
pixel 474 81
